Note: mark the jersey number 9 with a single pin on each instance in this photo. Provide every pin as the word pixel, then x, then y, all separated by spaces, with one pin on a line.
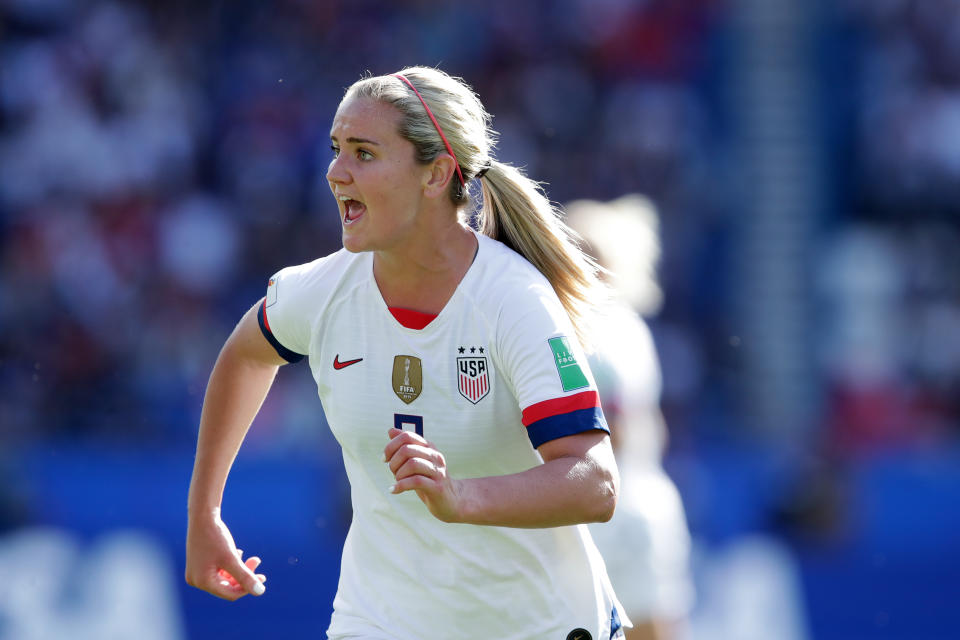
pixel 401 420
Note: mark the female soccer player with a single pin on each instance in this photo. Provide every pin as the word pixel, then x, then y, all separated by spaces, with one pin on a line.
pixel 450 368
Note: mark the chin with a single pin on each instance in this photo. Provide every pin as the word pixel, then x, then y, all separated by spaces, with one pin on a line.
pixel 351 247
pixel 353 244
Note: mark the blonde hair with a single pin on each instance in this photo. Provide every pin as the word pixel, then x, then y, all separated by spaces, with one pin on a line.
pixel 514 210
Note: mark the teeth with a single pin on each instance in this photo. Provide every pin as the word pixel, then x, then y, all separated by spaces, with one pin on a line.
pixel 345 198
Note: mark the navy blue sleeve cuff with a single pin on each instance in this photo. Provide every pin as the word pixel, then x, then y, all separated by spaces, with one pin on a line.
pixel 286 354
pixel 566 424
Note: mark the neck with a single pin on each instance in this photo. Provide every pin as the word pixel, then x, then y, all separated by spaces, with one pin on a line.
pixel 421 275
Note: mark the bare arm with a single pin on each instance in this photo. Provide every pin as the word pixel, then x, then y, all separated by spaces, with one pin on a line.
pixel 577 483
pixel 240 380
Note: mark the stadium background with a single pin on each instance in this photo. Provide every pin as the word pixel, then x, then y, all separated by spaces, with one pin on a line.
pixel 159 160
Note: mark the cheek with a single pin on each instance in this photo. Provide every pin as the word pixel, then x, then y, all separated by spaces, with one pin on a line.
pixel 394 183
pixel 397 187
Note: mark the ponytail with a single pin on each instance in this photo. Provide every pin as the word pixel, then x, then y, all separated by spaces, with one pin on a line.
pixel 516 212
pixel 442 114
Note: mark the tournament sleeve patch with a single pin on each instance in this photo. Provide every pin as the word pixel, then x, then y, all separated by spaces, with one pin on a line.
pixel 286 354
pixel 571 375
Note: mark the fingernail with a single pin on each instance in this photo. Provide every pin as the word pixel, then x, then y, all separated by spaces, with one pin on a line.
pixel 259 589
pixel 384 457
pixel 393 488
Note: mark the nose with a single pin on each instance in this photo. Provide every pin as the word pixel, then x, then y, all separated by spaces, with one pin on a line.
pixel 336 172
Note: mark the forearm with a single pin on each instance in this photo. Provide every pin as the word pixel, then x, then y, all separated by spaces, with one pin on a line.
pixel 234 396
pixel 236 390
pixel 562 491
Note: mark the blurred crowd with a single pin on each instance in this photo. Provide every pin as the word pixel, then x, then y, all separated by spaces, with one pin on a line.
pixel 160 160
pixel 889 270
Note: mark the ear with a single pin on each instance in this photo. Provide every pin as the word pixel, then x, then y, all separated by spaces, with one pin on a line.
pixel 443 169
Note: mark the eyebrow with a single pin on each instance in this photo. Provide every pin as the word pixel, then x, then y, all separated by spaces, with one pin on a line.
pixel 355 140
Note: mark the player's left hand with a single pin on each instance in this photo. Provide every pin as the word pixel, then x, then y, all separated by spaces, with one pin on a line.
pixel 417 465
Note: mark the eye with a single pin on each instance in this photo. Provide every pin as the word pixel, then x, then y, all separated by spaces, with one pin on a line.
pixel 363 154
pixel 336 150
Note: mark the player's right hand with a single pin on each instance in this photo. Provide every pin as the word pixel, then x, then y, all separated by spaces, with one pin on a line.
pixel 214 564
pixel 418 466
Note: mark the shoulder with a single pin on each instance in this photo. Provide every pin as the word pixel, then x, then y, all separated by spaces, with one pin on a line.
pixel 507 281
pixel 322 274
pixel 303 290
pixel 320 268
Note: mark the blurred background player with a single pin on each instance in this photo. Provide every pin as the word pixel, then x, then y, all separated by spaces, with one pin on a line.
pixel 646 545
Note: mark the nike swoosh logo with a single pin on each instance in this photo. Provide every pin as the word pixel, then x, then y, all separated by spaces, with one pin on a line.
pixel 340 365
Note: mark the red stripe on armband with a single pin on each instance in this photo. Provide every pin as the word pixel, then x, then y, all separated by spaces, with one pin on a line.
pixel 556 406
pixel 266 322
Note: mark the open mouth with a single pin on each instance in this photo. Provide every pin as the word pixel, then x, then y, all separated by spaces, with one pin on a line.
pixel 352 210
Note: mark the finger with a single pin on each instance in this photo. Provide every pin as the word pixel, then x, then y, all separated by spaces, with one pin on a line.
pixel 235 589
pixel 225 590
pixel 392 444
pixel 410 451
pixel 224 586
pixel 417 467
pixel 245 577
pixel 252 563
pixel 413 483
pixel 222 574
pixel 399 438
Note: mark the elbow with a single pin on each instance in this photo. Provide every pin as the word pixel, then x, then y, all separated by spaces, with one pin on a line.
pixel 606 505
pixel 605 499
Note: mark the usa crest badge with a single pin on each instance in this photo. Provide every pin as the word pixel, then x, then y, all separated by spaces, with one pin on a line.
pixel 407 377
pixel 473 377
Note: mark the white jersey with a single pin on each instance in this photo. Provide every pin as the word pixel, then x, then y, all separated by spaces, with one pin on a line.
pixel 646 544
pixel 497 373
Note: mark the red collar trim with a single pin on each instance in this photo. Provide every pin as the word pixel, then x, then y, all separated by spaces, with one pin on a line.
pixel 412 319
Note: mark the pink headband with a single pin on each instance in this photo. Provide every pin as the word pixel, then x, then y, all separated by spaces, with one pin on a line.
pixel 436 124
